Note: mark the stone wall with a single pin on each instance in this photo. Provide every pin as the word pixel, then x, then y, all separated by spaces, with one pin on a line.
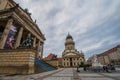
pixel 53 62
pixel 19 61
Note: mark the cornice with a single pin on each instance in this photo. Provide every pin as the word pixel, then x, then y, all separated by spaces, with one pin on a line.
pixel 11 13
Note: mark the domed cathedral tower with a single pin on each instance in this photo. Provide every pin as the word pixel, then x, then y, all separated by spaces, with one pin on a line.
pixel 69 44
pixel 70 56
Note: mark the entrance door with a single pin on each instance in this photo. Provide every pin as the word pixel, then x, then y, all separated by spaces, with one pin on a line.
pixel 70 62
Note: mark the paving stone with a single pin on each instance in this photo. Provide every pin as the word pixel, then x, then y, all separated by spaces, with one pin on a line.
pixel 65 74
pixel 68 75
pixel 97 79
pixel 92 74
pixel 112 74
pixel 58 78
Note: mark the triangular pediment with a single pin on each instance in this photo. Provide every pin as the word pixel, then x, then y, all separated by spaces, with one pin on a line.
pixel 21 15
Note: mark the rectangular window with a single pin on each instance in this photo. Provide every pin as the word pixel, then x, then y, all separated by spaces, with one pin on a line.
pixel 67 63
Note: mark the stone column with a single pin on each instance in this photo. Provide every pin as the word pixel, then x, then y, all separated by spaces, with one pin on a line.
pixel 42 45
pixel 38 48
pixel 18 40
pixel 34 42
pixel 5 33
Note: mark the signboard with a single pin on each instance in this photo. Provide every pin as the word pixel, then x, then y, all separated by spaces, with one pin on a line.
pixel 11 37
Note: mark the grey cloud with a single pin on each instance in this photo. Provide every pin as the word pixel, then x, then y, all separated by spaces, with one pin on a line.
pixel 93 24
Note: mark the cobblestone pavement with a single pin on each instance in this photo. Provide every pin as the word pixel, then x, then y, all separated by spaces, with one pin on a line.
pixel 66 74
pixel 99 75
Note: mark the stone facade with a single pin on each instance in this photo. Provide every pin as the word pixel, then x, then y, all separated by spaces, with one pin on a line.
pixel 18 32
pixel 70 56
pixel 110 56
pixel 17 61
pixel 13 16
pixel 53 62
pixel 89 61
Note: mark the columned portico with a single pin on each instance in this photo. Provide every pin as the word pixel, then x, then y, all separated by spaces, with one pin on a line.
pixel 18 35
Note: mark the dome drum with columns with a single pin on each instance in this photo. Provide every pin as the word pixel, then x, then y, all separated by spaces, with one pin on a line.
pixel 71 57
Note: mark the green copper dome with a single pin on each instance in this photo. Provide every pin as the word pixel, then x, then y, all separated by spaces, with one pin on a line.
pixel 69 36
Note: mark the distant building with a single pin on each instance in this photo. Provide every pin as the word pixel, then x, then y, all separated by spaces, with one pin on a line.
pixel 51 57
pixel 52 60
pixel 109 56
pixel 103 58
pixel 70 56
pixel 90 59
pixel 114 55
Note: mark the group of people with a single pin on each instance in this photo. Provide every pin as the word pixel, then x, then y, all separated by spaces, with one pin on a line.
pixel 108 68
pixel 104 68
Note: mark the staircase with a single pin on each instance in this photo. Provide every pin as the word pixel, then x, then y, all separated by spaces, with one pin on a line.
pixel 42 66
pixel 48 64
pixel 39 69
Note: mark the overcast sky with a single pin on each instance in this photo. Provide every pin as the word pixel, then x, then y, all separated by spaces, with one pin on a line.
pixel 94 24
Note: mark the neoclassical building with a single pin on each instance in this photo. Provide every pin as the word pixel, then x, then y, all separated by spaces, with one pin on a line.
pixel 16 25
pixel 21 40
pixel 70 56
